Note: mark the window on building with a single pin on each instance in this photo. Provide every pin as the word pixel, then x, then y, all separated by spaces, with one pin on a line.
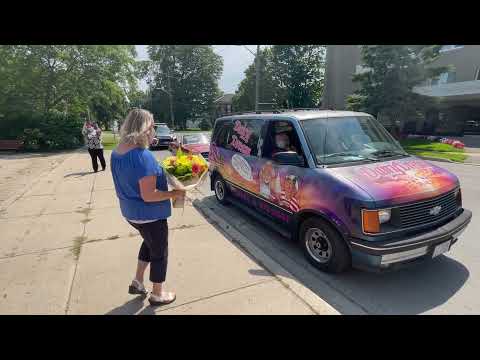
pixel 446 48
pixel 359 69
pixel 444 78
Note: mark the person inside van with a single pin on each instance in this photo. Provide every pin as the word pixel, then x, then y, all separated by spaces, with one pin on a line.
pixel 282 143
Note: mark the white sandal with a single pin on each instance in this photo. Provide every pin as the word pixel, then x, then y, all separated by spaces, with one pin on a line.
pixel 166 298
pixel 137 288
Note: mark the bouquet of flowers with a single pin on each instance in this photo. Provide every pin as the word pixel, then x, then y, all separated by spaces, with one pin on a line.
pixel 185 172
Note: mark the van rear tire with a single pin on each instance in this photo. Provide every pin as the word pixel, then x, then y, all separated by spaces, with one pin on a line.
pixel 220 189
pixel 324 247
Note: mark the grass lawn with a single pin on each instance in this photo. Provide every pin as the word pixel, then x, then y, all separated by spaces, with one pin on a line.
pixel 421 147
pixel 108 141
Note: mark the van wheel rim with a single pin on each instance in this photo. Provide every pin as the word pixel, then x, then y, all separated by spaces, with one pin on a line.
pixel 318 245
pixel 219 190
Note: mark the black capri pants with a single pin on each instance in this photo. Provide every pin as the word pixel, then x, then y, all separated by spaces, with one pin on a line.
pixel 154 248
pixel 94 153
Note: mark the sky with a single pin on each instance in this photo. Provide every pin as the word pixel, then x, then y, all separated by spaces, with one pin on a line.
pixel 236 60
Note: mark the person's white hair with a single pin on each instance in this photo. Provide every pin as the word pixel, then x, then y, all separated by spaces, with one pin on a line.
pixel 135 128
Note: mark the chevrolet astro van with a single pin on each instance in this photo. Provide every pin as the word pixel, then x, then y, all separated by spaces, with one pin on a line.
pixel 339 184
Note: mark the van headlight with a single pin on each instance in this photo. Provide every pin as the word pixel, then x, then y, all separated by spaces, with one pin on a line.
pixel 371 219
pixel 384 215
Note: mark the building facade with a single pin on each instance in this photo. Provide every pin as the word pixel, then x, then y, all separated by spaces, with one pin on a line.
pixel 456 93
pixel 223 105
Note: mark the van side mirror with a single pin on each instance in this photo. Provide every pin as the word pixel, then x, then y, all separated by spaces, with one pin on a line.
pixel 289 158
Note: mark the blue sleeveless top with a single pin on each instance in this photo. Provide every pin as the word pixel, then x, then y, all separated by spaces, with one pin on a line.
pixel 127 170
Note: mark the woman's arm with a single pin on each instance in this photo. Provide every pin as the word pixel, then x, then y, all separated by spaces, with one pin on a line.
pixel 150 193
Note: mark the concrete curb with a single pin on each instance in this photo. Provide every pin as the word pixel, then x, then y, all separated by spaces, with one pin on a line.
pixel 317 305
pixel 446 160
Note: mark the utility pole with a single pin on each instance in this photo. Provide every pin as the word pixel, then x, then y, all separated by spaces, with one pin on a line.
pixel 169 85
pixel 257 77
pixel 170 96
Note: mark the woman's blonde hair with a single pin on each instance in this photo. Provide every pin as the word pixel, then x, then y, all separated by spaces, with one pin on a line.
pixel 135 128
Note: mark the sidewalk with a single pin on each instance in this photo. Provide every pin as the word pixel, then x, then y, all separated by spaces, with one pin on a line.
pixel 65 249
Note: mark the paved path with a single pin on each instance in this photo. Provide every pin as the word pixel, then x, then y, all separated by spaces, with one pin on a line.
pixel 65 249
pixel 18 171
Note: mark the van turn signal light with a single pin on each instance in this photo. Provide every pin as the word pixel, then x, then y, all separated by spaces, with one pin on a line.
pixel 370 221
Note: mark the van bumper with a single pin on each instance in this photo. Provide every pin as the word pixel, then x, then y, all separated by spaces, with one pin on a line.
pixel 397 253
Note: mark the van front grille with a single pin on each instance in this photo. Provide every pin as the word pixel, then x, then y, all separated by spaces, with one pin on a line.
pixel 428 211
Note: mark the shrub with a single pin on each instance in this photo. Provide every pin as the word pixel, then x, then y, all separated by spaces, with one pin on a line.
pixel 52 131
pixel 205 125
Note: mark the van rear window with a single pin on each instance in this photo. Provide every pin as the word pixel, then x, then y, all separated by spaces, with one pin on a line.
pixel 222 134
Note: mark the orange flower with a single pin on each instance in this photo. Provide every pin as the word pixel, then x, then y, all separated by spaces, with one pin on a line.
pixel 172 162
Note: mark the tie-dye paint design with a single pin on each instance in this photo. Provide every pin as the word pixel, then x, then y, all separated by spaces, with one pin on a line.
pixel 400 181
pixel 336 192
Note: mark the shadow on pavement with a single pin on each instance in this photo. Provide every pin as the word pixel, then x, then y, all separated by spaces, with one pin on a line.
pixel 131 307
pixel 80 174
pixel 259 272
pixel 413 290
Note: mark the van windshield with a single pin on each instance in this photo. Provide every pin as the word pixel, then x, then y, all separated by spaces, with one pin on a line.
pixel 349 139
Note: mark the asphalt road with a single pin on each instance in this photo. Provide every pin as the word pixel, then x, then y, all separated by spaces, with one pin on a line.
pixel 449 284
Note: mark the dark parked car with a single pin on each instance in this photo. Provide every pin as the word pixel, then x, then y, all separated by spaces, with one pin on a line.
pixel 163 137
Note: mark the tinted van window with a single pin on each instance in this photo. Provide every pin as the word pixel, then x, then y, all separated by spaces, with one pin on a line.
pixel 246 135
pixel 222 134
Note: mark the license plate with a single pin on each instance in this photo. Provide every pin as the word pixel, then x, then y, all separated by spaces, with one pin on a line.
pixel 440 249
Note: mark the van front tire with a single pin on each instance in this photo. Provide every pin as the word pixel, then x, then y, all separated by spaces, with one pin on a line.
pixel 323 246
pixel 220 189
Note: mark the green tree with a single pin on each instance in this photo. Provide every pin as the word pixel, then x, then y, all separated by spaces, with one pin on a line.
pixel 41 78
pixel 244 99
pixel 298 73
pixel 187 73
pixel 391 73
pixel 290 76
pixel 109 104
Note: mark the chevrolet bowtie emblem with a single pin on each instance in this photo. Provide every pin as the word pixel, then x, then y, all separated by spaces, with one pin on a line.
pixel 435 210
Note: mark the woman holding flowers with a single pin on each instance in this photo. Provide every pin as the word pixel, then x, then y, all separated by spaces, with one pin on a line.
pixel 142 190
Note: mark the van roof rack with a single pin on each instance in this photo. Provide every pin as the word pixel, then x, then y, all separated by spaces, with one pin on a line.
pixel 272 111
pixel 305 109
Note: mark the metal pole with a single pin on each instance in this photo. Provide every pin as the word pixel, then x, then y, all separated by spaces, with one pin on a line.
pixel 257 77
pixel 170 96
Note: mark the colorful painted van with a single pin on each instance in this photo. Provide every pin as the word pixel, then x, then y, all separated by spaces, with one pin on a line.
pixel 339 184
